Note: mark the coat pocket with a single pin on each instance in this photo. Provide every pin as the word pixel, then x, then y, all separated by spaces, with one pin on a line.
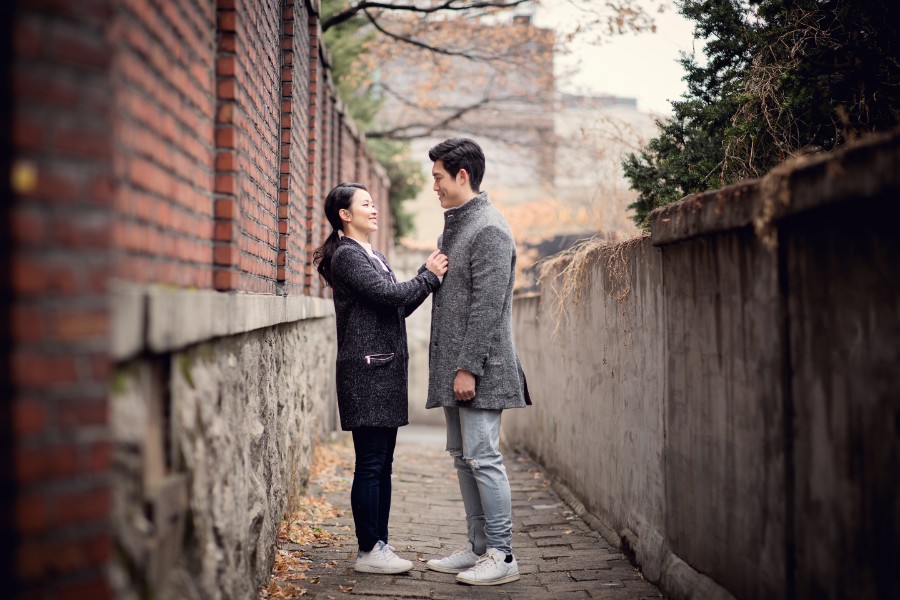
pixel 378 360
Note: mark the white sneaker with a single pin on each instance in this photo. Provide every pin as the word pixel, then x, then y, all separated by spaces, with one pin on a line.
pixel 459 561
pixel 491 569
pixel 381 559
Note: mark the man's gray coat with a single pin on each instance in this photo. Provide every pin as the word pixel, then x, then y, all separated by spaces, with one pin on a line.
pixel 370 311
pixel 471 319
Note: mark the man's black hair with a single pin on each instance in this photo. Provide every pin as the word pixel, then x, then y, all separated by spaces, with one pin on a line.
pixel 460 153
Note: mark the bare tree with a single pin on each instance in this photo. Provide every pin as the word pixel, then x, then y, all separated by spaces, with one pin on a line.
pixel 448 65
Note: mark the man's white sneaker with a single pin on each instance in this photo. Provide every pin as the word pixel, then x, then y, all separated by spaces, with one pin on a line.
pixel 491 569
pixel 459 561
pixel 381 559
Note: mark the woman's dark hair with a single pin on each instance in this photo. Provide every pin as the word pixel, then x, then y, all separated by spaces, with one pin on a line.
pixel 460 153
pixel 338 198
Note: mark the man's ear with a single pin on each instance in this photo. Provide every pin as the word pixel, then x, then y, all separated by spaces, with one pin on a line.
pixel 465 176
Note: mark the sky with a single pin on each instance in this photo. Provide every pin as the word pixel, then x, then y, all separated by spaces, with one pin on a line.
pixel 643 66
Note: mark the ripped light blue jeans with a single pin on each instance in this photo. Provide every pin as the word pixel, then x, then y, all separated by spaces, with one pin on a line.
pixel 473 439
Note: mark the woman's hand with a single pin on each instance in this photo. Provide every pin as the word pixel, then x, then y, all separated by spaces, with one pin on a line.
pixel 437 263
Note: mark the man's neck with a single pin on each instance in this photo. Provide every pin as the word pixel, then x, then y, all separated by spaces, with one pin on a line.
pixel 469 199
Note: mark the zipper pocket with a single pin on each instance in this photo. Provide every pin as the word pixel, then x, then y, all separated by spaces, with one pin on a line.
pixel 378 359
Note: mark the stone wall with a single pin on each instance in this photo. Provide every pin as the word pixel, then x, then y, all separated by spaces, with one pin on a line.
pixel 721 398
pixel 213 443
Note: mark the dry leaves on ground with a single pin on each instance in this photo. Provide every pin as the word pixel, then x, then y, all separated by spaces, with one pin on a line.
pixel 274 591
pixel 330 462
pixel 304 526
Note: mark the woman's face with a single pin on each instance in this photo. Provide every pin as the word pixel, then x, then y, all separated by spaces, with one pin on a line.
pixel 362 215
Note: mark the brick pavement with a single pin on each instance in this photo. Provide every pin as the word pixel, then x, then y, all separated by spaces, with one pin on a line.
pixel 559 556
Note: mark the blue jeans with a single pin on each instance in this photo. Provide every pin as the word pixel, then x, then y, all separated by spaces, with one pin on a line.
pixel 370 496
pixel 473 439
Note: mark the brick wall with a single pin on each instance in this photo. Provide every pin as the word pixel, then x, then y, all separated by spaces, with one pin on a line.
pixel 184 144
pixel 60 221
pixel 163 134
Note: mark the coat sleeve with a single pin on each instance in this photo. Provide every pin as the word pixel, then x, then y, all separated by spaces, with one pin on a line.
pixel 355 272
pixel 491 262
pixel 410 308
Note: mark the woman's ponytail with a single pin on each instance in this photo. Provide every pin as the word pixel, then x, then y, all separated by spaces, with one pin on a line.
pixel 322 256
pixel 341 197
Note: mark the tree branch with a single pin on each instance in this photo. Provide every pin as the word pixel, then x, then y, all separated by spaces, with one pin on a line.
pixel 453 5
pixel 423 45
pixel 404 131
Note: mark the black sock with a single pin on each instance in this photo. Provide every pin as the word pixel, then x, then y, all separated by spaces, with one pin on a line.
pixel 508 558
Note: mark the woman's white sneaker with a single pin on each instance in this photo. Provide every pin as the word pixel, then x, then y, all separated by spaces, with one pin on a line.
pixel 491 569
pixel 459 561
pixel 381 559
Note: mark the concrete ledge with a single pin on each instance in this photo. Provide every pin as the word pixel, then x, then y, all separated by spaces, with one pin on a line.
pixel 798 185
pixel 158 319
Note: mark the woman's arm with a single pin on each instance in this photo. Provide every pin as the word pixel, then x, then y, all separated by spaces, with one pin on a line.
pixel 351 268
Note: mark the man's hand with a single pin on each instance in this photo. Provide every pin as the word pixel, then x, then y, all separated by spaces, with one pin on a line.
pixel 464 386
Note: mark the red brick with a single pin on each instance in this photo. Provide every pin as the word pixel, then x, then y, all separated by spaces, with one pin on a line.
pixel 225 137
pixel 31 514
pixel 83 412
pixel 77 325
pixel 225 161
pixel 227 21
pixel 225 208
pixel 227 43
pixel 27 40
pixel 79 52
pixel 44 91
pixel 83 143
pixel 94 589
pixel 28 229
pixel 225 113
pixel 225 66
pixel 225 184
pixel 29 416
pixel 28 135
pixel 77 234
pixel 100 367
pixel 102 191
pixel 27 324
pixel 225 255
pixel 40 371
pixel 100 457
pixel 225 89
pixel 91 505
pixel 98 550
pixel 31 465
pixel 225 280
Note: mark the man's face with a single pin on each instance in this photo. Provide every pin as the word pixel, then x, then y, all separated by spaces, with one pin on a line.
pixel 451 191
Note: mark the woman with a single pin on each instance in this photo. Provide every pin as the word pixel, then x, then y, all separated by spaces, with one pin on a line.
pixel 370 308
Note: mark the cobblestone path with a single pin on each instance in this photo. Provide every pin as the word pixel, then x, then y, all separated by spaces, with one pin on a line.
pixel 559 556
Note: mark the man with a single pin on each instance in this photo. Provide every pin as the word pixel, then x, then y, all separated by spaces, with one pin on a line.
pixel 474 369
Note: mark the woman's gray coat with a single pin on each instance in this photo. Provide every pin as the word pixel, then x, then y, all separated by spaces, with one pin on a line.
pixel 370 311
pixel 471 315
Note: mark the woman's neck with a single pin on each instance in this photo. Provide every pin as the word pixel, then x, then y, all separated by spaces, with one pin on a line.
pixel 357 236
